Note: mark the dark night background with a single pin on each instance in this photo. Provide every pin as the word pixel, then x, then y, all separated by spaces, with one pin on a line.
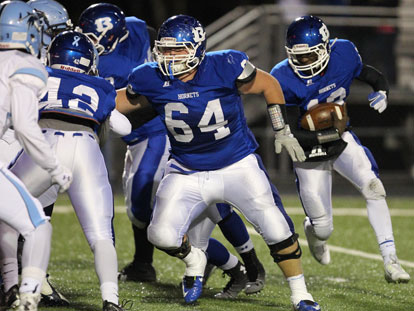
pixel 154 12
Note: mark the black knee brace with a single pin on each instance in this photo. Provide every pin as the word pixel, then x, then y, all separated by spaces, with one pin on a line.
pixel 181 251
pixel 275 248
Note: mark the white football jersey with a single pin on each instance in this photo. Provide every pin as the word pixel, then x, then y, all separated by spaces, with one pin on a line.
pixel 23 82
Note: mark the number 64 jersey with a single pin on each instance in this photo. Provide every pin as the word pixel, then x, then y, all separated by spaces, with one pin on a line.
pixel 204 117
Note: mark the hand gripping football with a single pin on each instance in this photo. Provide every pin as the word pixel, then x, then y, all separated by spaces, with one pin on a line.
pixel 320 116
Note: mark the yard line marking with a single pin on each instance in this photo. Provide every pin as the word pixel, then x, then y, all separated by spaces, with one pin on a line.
pixel 63 209
pixel 347 251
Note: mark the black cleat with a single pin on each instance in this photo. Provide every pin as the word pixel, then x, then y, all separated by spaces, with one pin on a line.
pixel 11 299
pixel 50 296
pixel 138 272
pixel 255 272
pixel 238 281
pixel 110 306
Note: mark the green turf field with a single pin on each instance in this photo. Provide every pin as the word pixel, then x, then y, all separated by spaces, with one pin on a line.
pixel 350 282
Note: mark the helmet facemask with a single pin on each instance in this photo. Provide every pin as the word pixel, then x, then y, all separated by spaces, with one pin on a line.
pixel 176 64
pixel 307 71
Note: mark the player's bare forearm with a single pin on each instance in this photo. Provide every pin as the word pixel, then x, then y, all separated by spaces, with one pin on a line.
pixel 264 84
pixel 126 104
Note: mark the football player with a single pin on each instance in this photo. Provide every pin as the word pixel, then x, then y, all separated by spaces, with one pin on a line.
pixel 320 70
pixel 55 19
pixel 124 43
pixel 23 83
pixel 197 96
pixel 76 105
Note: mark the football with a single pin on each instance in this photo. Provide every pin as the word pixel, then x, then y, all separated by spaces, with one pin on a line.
pixel 320 117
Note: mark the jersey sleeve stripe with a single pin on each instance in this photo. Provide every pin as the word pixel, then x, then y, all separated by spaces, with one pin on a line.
pixel 31 71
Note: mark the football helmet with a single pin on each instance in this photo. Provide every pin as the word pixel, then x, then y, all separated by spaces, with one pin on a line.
pixel 20 27
pixel 55 17
pixel 180 32
pixel 72 51
pixel 104 24
pixel 308 37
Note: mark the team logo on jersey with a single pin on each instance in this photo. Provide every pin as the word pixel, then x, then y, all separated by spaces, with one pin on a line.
pixel 199 34
pixel 327 88
pixel 188 95
pixel 166 83
pixel 309 82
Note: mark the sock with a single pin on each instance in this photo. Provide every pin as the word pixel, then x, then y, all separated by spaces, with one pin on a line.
pixel 235 232
pixel 380 219
pixel 109 291
pixel 217 254
pixel 144 250
pixel 298 289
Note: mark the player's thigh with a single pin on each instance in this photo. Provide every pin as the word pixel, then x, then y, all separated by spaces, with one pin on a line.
pixel 200 231
pixel 314 183
pixel 178 203
pixel 91 192
pixel 18 208
pixel 248 188
pixel 36 179
pixel 356 162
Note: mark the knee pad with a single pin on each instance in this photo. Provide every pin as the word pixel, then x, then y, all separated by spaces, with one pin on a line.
pixel 276 248
pixel 181 251
pixel 373 190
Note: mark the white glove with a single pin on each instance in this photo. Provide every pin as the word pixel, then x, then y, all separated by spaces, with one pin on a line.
pixel 63 177
pixel 378 100
pixel 286 139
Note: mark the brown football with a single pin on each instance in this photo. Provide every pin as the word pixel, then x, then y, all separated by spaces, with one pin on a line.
pixel 320 117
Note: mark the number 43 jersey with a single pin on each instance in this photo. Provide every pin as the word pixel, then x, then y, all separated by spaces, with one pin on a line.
pixel 78 95
pixel 204 117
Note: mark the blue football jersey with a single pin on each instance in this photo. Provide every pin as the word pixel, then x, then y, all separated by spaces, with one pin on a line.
pixel 78 95
pixel 333 85
pixel 204 117
pixel 116 67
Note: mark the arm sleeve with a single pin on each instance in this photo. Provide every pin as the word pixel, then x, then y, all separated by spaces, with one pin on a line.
pixel 374 78
pixel 306 139
pixel 24 107
pixel 119 124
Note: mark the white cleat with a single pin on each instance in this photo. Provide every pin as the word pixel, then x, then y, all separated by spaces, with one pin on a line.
pixel 29 301
pixel 394 273
pixel 318 248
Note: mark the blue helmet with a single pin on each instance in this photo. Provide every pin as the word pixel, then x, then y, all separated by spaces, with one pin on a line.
pixel 105 24
pixel 72 51
pixel 55 16
pixel 308 36
pixel 180 32
pixel 20 27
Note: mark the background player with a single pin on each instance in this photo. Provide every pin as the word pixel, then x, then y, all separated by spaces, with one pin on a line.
pixel 24 79
pixel 320 70
pixel 123 44
pixel 74 108
pixel 212 151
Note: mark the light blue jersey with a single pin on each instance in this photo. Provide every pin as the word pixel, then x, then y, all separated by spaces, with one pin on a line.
pixel 205 119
